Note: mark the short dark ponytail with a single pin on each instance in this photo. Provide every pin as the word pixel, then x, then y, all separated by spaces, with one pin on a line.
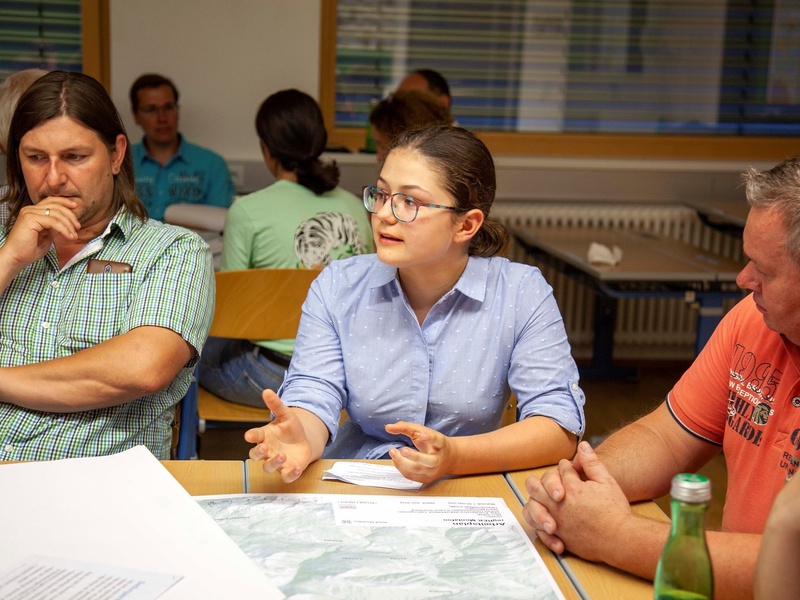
pixel 290 125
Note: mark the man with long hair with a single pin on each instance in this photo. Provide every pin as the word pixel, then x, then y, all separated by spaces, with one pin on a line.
pixel 103 312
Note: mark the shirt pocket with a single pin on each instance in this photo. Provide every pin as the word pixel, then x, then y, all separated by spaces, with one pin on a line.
pixel 98 310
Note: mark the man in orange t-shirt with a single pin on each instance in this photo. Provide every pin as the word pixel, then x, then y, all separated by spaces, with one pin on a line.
pixel 741 395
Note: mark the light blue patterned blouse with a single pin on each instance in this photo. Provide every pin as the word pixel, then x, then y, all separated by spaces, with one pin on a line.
pixel 360 347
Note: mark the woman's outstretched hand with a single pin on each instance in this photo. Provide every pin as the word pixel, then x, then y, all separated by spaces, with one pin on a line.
pixel 282 444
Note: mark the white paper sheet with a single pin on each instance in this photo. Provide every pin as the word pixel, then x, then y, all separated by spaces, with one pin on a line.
pixel 124 510
pixel 382 476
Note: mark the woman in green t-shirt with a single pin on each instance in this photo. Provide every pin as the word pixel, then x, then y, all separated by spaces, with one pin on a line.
pixel 303 220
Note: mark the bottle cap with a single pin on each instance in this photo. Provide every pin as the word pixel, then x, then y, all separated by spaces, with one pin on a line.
pixel 690 487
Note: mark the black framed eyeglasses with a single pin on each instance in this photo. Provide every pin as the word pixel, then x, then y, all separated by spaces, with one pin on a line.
pixel 404 207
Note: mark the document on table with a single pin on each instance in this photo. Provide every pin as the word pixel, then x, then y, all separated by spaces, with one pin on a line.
pixel 121 511
pixel 65 579
pixel 361 546
pixel 366 474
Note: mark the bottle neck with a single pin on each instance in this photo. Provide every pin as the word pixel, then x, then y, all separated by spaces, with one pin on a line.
pixel 688 518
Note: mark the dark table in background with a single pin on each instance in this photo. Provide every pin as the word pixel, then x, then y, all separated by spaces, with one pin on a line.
pixel 652 266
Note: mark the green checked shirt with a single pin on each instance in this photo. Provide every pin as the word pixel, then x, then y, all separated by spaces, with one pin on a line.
pixel 46 313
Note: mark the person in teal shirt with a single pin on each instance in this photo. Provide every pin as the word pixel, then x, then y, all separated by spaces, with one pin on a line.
pixel 168 169
pixel 302 221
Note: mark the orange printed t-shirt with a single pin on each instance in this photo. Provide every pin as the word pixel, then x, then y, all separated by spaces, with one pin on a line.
pixel 743 393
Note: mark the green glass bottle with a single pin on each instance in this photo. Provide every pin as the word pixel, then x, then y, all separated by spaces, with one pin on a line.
pixel 684 569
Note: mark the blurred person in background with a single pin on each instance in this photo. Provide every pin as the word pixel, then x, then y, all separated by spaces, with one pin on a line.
pixel 404 110
pixel 302 221
pixel 170 170
pixel 10 91
pixel 430 81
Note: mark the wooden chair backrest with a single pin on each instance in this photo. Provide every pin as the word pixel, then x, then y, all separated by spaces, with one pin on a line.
pixel 260 304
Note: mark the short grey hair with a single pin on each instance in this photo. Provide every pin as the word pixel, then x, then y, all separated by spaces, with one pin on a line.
pixel 778 189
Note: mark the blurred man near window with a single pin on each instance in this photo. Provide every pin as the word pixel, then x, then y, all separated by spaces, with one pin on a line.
pixel 168 169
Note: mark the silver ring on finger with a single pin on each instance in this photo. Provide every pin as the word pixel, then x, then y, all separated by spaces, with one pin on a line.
pixel 46 212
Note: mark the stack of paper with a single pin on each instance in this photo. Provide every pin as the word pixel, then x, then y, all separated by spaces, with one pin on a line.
pixel 115 523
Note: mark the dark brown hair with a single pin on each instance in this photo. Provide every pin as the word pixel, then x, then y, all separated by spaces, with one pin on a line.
pixel 83 99
pixel 290 125
pixel 146 82
pixel 436 81
pixel 466 171
pixel 408 109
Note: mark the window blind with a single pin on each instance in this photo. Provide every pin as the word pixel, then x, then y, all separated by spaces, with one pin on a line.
pixel 44 34
pixel 728 67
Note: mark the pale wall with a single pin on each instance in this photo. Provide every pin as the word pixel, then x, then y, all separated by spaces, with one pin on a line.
pixel 226 56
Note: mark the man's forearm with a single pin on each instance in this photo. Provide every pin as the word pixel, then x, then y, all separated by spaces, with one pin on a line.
pixel 138 363
pixel 733 558
pixel 645 455
pixel 54 386
pixel 637 546
pixel 634 458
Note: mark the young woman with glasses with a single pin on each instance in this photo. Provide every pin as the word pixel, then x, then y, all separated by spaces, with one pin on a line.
pixel 421 341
